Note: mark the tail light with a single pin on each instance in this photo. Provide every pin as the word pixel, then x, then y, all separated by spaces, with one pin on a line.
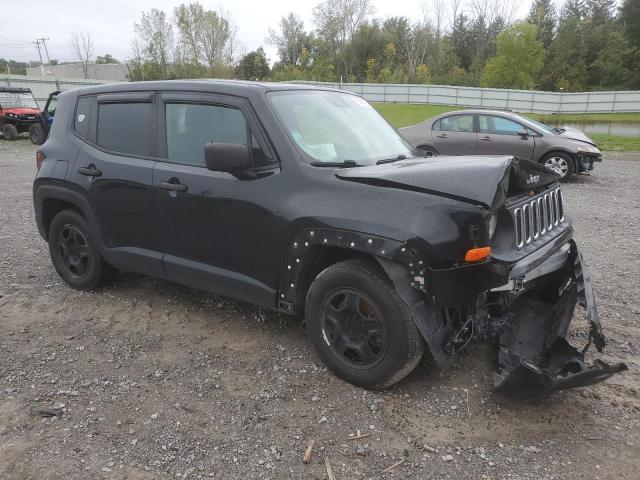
pixel 39 159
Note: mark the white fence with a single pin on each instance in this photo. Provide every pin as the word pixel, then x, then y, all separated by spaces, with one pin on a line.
pixel 516 100
pixel 41 88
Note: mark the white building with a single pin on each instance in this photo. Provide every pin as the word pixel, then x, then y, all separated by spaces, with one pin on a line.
pixel 118 72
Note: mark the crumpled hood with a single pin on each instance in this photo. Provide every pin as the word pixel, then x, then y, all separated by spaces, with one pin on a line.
pixel 575 134
pixel 485 180
pixel 21 111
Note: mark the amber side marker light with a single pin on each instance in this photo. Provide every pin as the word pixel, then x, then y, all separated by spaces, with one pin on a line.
pixel 39 159
pixel 477 254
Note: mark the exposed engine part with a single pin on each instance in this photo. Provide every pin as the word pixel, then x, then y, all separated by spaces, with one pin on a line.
pixel 463 323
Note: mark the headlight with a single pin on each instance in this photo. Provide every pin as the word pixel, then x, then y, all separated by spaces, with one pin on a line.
pixel 587 149
pixel 493 222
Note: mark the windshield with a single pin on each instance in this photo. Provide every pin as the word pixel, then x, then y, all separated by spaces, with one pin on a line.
pixel 51 108
pixel 541 126
pixel 338 127
pixel 17 100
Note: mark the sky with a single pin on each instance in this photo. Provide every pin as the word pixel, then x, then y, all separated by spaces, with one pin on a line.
pixel 110 22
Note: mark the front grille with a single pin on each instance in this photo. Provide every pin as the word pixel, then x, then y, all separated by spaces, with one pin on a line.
pixel 538 217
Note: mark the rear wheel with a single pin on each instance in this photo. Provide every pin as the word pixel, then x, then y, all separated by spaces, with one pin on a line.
pixel 74 253
pixel 10 132
pixel 37 134
pixel 560 163
pixel 360 327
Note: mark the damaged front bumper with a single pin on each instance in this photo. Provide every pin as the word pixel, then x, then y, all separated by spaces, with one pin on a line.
pixel 533 351
pixel 525 307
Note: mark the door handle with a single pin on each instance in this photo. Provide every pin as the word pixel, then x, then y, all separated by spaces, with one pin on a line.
pixel 173 186
pixel 444 135
pixel 90 171
pixel 486 139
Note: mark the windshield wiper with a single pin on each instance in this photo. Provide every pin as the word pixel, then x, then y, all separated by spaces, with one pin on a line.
pixel 343 164
pixel 391 160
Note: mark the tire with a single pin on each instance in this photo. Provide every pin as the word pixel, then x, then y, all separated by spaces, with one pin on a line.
pixel 429 151
pixel 10 132
pixel 37 134
pixel 560 163
pixel 74 253
pixel 342 302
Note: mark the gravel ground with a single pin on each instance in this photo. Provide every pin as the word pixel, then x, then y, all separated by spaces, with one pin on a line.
pixel 148 379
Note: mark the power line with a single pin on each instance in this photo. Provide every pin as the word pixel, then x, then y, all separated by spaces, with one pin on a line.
pixel 21 44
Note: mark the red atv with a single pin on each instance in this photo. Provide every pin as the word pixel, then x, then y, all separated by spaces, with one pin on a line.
pixel 20 113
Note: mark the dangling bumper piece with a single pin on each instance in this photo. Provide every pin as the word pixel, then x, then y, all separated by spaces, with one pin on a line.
pixel 533 351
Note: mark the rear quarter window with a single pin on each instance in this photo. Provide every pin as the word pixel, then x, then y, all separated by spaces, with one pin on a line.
pixel 125 128
pixel 82 116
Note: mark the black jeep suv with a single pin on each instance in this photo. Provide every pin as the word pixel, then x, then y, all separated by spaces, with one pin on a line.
pixel 305 200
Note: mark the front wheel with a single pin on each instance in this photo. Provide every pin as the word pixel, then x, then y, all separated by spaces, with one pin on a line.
pixel 74 253
pixel 9 132
pixel 560 163
pixel 359 325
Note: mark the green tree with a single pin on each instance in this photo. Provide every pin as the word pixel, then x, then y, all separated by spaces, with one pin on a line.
pixel 290 39
pixel 156 43
pixel 567 69
pixel 253 66
pixel 518 61
pixel 630 19
pixel 543 16
pixel 107 58
pixel 613 66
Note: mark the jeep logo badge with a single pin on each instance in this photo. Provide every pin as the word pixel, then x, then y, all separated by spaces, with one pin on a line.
pixel 533 179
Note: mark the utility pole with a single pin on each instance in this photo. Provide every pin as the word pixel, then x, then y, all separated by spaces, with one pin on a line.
pixel 45 49
pixel 37 42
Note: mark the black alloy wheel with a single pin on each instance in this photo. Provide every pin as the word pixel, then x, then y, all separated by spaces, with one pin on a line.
pixel 74 251
pixel 361 328
pixel 354 328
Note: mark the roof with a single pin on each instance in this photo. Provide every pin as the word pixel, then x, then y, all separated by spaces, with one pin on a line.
pixel 231 87
pixel 482 111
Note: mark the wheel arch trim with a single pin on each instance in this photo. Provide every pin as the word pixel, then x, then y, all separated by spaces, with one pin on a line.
pixel 44 192
pixel 298 252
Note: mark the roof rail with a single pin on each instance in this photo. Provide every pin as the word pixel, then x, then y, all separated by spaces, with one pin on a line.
pixel 15 90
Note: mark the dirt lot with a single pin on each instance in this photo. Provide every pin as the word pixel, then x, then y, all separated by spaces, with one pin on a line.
pixel 155 380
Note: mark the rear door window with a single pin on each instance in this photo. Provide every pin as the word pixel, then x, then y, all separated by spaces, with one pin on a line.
pixel 126 128
pixel 455 123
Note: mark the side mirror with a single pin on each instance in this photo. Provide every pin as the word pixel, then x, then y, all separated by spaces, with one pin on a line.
pixel 226 157
pixel 523 133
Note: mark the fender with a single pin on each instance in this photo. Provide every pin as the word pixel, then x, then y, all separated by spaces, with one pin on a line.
pixel 47 191
pixel 138 260
pixel 295 254
pixel 403 263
